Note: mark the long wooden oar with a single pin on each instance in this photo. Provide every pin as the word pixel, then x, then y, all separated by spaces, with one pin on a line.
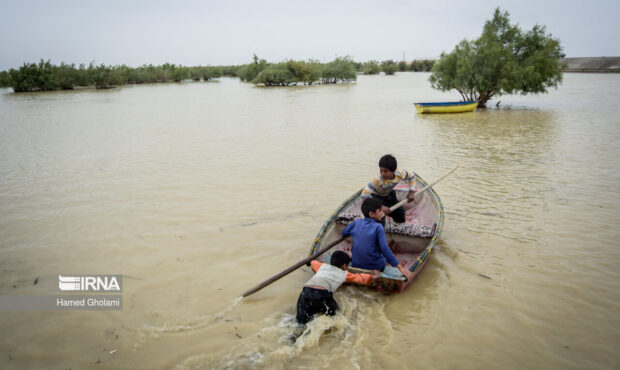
pixel 395 206
pixel 292 268
pixel 332 244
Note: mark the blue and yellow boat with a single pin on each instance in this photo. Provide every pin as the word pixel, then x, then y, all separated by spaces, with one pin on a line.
pixel 448 107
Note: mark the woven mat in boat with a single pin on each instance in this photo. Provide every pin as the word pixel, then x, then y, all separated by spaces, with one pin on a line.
pixel 422 231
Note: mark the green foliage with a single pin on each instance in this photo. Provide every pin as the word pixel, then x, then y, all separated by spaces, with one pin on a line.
pixel 32 77
pixel 339 70
pixel 5 79
pixel 422 65
pixel 203 73
pixel 230 71
pixel 289 73
pixel 249 72
pixel 195 73
pixel 402 66
pixel 180 73
pixel 104 77
pixel 45 77
pixel 503 60
pixel 275 75
pixel 294 72
pixel 65 76
pixel 389 67
pixel 209 73
pixel 303 72
pixel 371 68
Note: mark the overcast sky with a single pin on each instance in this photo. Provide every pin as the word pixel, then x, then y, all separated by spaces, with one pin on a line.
pixel 229 32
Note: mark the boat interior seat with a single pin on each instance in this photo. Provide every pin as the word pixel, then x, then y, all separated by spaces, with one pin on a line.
pixel 391 227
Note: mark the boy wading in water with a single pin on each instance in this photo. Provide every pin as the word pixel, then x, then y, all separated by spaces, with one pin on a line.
pixel 317 295
pixel 382 186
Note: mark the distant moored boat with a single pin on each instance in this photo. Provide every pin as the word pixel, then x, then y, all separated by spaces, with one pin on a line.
pixel 448 107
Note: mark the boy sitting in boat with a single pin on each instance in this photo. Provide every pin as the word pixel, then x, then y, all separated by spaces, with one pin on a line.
pixel 382 186
pixel 317 294
pixel 370 250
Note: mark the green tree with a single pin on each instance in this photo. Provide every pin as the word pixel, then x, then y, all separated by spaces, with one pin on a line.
pixel 425 65
pixel 389 67
pixel 66 76
pixel 195 73
pixel 306 73
pixel 371 68
pixel 209 73
pixel 342 69
pixel 34 77
pixel 104 77
pixel 249 71
pixel 5 79
pixel 275 75
pixel 504 60
pixel 230 71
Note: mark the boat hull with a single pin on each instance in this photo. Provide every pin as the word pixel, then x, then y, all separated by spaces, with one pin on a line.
pixel 411 242
pixel 450 107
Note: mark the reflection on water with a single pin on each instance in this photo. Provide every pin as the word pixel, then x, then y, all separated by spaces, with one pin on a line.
pixel 505 155
pixel 197 191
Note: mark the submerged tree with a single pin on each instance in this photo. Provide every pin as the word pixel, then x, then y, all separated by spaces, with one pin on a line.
pixel 422 65
pixel 275 75
pixel 5 79
pixel 304 72
pixel 104 77
pixel 389 67
pixel 339 70
pixel 503 60
pixel 371 68
pixel 249 71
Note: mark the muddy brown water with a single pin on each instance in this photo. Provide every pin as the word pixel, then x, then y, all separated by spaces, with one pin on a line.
pixel 198 191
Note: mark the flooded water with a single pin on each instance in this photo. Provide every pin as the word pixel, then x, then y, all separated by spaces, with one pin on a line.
pixel 196 192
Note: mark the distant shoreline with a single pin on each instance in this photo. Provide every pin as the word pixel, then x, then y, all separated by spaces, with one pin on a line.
pixel 592 65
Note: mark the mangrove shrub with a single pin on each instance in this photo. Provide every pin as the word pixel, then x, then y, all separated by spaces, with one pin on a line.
pixel 422 65
pixel 275 75
pixel 340 70
pixel 5 79
pixel 389 67
pixel 371 68
pixel 249 72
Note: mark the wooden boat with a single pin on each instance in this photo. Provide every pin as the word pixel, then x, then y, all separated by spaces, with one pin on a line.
pixel 412 241
pixel 448 107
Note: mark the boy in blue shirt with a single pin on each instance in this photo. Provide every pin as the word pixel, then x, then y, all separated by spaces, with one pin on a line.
pixel 370 250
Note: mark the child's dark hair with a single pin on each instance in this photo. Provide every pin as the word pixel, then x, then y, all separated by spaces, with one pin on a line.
pixel 370 205
pixel 339 258
pixel 388 161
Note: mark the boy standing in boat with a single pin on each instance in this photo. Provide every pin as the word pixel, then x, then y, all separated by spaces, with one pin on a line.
pixel 370 250
pixel 317 295
pixel 382 186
